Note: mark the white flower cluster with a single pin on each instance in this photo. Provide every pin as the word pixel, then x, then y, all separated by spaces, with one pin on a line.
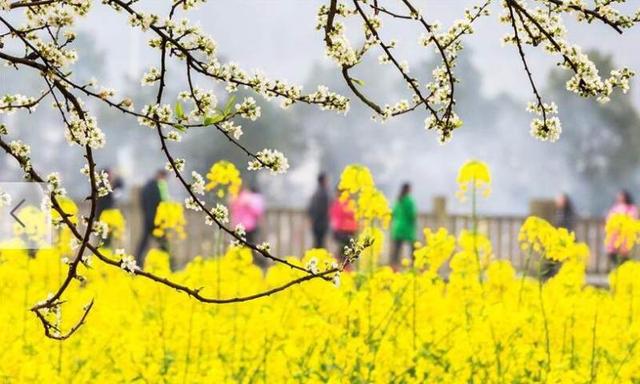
pixel 186 37
pixel 232 129
pixel 197 185
pixel 339 47
pixel 544 27
pixel 328 100
pixel 55 55
pixel 155 113
pixel 440 99
pixel 336 280
pixel 106 93
pixel 5 199
pixel 188 4
pixel 22 151
pixel 54 184
pixel 127 104
pixel 312 266
pixel 240 231
pixel 546 130
pixel 354 249
pixel 127 262
pixel 192 204
pixel 48 307
pixel 57 14
pixel 269 158
pixel 248 109
pixel 189 42
pixel 103 183
pixel 179 163
pixel 393 110
pixel 448 46
pixel 85 132
pixel 264 247
pixel 545 127
pixel 150 77
pixel 101 178
pixel 11 103
pixel 100 229
pixel 445 125
pixel 604 8
pixel 234 76
pixel 204 103
pixel 143 20
pixel 174 136
pixel 220 213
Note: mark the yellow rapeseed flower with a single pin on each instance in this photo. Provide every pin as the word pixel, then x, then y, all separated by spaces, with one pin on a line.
pixel 557 244
pixel 169 220
pixel 115 221
pixel 473 175
pixel 437 249
pixel 377 327
pixel 224 178
pixel 622 230
pixel 69 207
pixel 369 204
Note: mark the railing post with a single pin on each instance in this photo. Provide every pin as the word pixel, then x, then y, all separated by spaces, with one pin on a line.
pixel 133 213
pixel 440 211
pixel 543 208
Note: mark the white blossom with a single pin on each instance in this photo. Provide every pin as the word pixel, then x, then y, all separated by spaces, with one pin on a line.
pixel 127 262
pixel 269 158
pixel 197 183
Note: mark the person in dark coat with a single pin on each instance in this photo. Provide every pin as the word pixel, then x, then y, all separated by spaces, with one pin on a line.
pixel 564 217
pixel 151 194
pixel 318 212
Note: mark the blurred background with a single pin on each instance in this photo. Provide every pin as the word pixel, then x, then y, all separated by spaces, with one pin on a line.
pixel 595 156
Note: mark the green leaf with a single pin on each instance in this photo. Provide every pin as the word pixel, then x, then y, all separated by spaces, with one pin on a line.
pixel 229 105
pixel 210 120
pixel 358 81
pixel 179 110
pixel 180 127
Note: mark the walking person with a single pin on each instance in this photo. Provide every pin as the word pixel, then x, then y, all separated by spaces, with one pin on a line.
pixel 247 210
pixel 619 253
pixel 564 217
pixel 318 212
pixel 403 224
pixel 343 225
pixel 151 194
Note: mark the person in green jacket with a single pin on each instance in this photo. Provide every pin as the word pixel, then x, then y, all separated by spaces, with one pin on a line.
pixel 403 223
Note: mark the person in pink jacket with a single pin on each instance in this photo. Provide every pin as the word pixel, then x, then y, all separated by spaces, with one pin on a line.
pixel 247 209
pixel 343 224
pixel 619 253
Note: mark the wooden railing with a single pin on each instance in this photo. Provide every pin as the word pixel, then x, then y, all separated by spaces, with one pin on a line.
pixel 289 234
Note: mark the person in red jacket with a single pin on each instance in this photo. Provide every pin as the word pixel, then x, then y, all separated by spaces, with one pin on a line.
pixel 343 224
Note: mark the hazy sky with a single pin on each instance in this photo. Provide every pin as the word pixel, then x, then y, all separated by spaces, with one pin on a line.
pixel 279 37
